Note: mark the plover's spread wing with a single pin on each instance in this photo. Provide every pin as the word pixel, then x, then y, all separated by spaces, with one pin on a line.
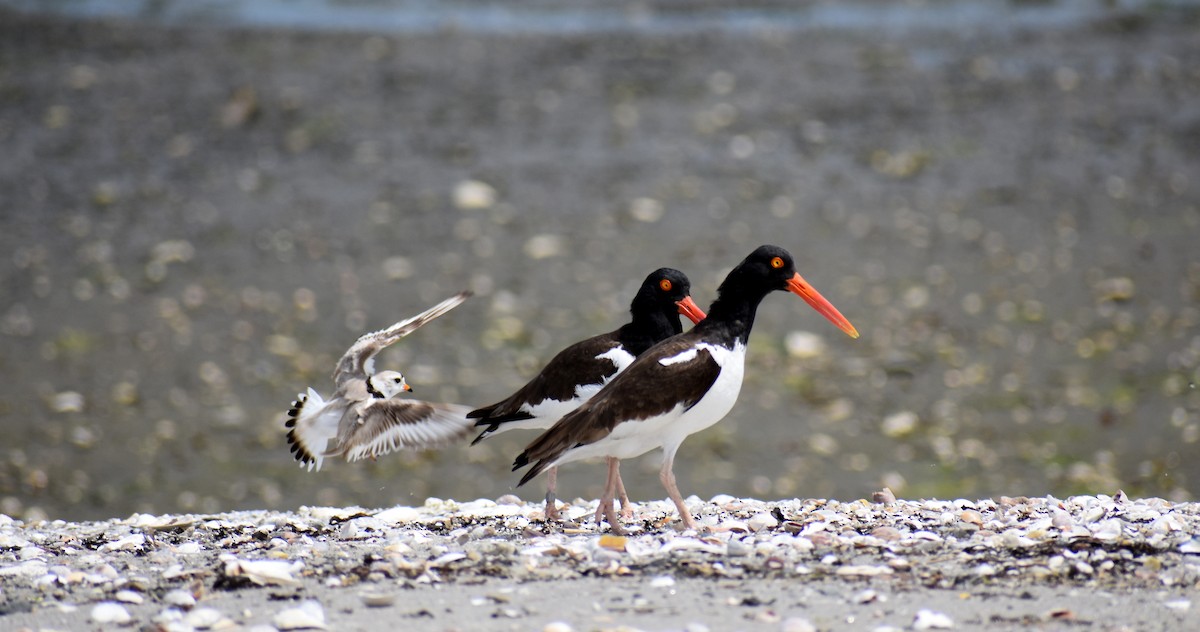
pixel 383 425
pixel 359 361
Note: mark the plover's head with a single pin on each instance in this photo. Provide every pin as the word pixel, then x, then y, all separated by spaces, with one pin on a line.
pixel 389 383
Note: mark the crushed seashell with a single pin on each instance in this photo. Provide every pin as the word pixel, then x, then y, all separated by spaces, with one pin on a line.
pixel 262 572
pixel 931 620
pixel 107 612
pixel 308 615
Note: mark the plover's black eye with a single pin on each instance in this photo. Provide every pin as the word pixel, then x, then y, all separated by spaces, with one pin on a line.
pixel 397 380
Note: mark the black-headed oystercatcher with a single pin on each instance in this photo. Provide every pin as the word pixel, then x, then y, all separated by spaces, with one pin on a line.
pixel 579 371
pixel 680 386
pixel 364 417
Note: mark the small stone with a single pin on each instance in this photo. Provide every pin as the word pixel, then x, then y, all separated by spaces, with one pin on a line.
pixel 557 626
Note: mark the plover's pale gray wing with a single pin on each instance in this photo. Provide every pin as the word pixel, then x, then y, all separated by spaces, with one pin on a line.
pixel 383 425
pixel 359 361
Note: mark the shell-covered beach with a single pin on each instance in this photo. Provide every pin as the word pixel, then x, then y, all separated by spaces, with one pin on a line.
pixel 1108 563
pixel 200 209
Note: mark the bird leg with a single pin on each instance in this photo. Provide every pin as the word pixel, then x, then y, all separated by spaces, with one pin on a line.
pixel 551 486
pixel 626 506
pixel 667 476
pixel 606 501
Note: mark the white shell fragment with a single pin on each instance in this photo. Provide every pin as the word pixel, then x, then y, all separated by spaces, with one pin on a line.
pixel 133 542
pixel 263 572
pixel 203 618
pixel 662 581
pixel 309 615
pixel 107 612
pixel 129 596
pixel 179 598
pixel 930 620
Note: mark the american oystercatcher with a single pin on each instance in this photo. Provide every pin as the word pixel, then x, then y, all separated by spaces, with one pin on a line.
pixel 580 370
pixel 364 417
pixel 682 385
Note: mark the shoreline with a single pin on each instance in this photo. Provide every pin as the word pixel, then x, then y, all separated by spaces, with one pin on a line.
pixel 1111 561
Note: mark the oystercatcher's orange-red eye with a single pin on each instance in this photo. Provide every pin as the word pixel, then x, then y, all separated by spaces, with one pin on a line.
pixel 777 263
pixel 665 284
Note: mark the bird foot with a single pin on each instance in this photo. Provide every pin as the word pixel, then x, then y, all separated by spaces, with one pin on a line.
pixel 626 512
pixel 551 508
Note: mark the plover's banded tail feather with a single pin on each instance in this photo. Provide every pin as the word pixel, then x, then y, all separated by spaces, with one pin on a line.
pixel 309 429
pixel 359 359
pixel 401 424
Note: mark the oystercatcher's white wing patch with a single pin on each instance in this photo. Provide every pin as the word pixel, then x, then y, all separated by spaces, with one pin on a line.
pixel 686 356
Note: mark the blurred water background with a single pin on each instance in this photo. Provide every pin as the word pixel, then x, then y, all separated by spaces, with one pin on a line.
pixel 202 204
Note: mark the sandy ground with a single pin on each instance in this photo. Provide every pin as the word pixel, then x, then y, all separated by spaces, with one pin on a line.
pixel 1106 563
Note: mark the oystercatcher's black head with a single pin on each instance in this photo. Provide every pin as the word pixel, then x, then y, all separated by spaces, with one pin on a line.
pixel 765 270
pixel 668 291
pixel 770 268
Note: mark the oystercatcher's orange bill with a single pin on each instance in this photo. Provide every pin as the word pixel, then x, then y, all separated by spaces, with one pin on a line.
pixel 689 308
pixel 799 286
